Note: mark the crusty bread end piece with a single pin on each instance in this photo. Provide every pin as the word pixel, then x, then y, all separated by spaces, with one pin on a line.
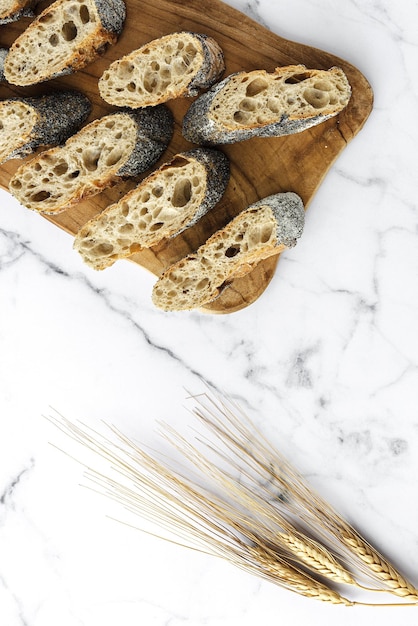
pixel 64 38
pixel 257 104
pixel 176 65
pixel 29 123
pixel 101 154
pixel 13 10
pixel 171 199
pixel 265 228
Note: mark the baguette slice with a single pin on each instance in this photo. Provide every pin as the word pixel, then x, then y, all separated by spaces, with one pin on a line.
pixel 170 200
pixel 258 104
pixel 169 67
pixel 265 228
pixel 64 38
pixel 29 123
pixel 13 10
pixel 101 154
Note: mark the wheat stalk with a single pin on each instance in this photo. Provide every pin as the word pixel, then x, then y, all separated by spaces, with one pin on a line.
pixel 274 530
pixel 265 468
pixel 199 518
pixel 262 517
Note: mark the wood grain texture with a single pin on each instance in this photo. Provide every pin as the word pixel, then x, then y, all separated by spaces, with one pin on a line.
pixel 259 167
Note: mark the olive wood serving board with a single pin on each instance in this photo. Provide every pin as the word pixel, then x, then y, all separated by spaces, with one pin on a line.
pixel 259 166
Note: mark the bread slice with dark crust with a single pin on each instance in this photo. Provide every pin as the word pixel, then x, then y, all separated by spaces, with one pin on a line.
pixel 265 228
pixel 173 66
pixel 64 38
pixel 104 152
pixel 257 104
pixel 27 124
pixel 13 10
pixel 170 200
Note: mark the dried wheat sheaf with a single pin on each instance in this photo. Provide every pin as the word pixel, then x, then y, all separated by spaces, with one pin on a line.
pixel 258 512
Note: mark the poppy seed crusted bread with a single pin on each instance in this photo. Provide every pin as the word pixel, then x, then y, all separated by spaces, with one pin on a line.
pixel 171 199
pixel 265 228
pixel 176 65
pixel 3 54
pixel 258 104
pixel 64 38
pixel 13 10
pixel 29 123
pixel 101 154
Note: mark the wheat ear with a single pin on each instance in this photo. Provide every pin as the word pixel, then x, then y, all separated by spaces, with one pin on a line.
pixel 268 471
pixel 382 569
pixel 316 557
pixel 274 569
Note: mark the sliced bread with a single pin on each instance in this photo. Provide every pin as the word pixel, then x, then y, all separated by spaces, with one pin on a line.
pixel 171 199
pixel 258 104
pixel 101 154
pixel 29 123
pixel 170 67
pixel 265 228
pixel 64 38
pixel 13 10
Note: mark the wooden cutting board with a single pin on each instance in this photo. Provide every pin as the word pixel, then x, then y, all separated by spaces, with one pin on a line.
pixel 259 167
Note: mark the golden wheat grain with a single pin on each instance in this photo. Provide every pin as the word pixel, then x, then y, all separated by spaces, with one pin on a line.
pixel 295 580
pixel 316 557
pixel 382 569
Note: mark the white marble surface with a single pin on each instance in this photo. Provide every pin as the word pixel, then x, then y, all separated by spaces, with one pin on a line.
pixel 326 359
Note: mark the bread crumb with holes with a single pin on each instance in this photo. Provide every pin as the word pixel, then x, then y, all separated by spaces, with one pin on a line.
pixel 174 66
pixel 64 38
pixel 265 228
pixel 258 104
pixel 170 200
pixel 98 156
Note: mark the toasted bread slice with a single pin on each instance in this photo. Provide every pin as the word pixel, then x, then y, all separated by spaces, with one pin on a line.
pixel 257 104
pixel 265 228
pixel 64 38
pixel 170 67
pixel 101 154
pixel 29 123
pixel 171 199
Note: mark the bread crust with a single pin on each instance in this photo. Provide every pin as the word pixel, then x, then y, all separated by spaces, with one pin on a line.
pixel 57 27
pixel 167 202
pixel 265 228
pixel 154 132
pixel 104 152
pixel 278 116
pixel 176 65
pixel 3 54
pixel 58 116
pixel 16 10
pixel 212 68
